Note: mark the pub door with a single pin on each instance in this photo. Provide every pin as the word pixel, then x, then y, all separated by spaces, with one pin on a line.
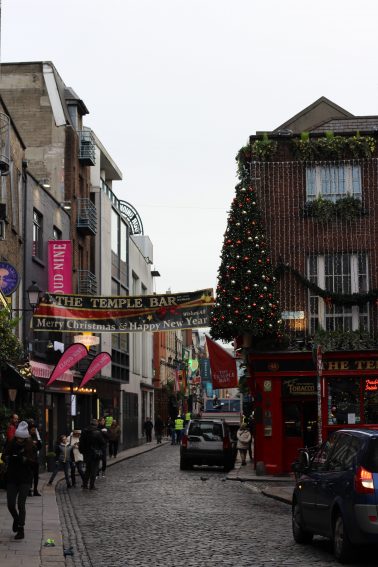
pixel 299 428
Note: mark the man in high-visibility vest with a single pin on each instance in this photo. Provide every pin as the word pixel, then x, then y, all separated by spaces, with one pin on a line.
pixel 179 428
pixel 188 417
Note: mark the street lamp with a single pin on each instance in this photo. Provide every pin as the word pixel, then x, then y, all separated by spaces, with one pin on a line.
pixel 34 293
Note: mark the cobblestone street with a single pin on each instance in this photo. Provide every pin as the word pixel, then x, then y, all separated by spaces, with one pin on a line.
pixel 148 513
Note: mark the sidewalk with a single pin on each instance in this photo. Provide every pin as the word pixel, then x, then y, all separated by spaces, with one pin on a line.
pixel 43 522
pixel 277 487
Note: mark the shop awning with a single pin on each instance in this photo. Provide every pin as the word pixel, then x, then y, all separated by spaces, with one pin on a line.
pixel 42 370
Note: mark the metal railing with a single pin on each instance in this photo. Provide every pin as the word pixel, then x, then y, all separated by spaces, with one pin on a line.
pixel 87 147
pixel 87 283
pixel 86 216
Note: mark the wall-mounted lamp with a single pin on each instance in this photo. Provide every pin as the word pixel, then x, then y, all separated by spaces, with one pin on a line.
pixel 66 205
pixel 45 183
pixel 12 393
pixel 155 274
pixel 34 293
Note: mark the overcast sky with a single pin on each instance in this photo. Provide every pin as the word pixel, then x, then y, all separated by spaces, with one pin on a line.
pixel 174 89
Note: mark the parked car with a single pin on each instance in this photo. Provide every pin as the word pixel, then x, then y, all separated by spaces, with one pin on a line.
pixel 207 442
pixel 336 492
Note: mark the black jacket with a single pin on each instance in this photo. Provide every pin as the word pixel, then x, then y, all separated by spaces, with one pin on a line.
pixel 20 457
pixel 91 438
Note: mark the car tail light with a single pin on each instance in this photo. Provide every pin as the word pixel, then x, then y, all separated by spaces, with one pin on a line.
pixel 363 481
pixel 184 441
pixel 226 443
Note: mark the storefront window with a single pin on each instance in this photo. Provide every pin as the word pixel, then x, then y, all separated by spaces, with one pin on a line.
pixel 344 401
pixel 370 386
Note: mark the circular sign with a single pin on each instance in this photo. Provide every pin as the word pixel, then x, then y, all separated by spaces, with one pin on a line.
pixel 9 278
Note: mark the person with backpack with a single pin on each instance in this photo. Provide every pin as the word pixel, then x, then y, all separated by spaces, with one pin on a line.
pixel 92 445
pixel 19 455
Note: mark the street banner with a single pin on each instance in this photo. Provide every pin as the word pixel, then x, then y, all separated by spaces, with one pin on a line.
pixel 123 314
pixel 69 358
pixel 99 361
pixel 59 266
pixel 223 366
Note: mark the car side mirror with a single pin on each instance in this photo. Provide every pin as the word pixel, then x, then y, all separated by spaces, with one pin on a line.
pixel 302 463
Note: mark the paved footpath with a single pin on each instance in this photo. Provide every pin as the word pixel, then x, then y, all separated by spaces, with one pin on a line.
pixel 43 521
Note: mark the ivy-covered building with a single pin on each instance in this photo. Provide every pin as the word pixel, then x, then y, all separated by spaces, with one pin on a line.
pixel 315 178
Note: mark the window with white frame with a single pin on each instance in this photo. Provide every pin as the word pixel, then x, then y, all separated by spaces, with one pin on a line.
pixel 342 274
pixel 332 182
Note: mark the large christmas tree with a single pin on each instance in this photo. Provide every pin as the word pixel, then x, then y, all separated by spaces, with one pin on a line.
pixel 245 299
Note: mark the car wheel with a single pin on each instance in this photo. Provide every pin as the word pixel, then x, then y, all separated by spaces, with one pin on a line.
pixel 342 548
pixel 300 535
pixel 184 465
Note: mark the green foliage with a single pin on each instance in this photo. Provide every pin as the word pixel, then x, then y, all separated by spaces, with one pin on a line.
pixel 331 147
pixel 344 340
pixel 11 349
pixel 264 149
pixel 324 210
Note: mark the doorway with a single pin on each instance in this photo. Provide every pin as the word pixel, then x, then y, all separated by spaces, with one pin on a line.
pixel 300 428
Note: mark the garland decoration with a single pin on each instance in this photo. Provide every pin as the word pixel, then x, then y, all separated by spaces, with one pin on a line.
pixel 324 210
pixel 329 297
pixel 331 147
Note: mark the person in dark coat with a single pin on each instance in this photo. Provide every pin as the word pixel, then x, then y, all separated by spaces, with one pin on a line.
pixel 19 456
pixel 147 428
pixel 37 445
pixel 159 428
pixel 114 434
pixel 91 445
pixel 104 431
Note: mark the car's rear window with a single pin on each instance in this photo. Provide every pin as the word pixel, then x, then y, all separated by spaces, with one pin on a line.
pixel 207 429
pixel 371 462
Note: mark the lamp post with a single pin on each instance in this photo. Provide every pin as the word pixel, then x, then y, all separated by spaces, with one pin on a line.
pixel 34 294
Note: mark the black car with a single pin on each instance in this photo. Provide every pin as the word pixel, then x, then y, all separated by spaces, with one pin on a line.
pixel 336 493
pixel 207 442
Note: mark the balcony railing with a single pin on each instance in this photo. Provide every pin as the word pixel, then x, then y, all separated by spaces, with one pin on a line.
pixel 86 216
pixel 87 283
pixel 87 148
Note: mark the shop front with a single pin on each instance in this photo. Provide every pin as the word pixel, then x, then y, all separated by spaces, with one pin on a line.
pixel 295 408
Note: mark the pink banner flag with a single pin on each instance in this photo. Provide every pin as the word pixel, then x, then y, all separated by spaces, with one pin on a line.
pixel 223 366
pixel 69 358
pixel 59 266
pixel 99 361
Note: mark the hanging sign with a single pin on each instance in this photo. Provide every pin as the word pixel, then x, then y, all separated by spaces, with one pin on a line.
pixel 9 278
pixel 99 361
pixel 123 314
pixel 69 358
pixel 223 366
pixel 59 266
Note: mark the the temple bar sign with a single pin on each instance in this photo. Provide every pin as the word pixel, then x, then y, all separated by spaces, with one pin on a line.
pixel 350 364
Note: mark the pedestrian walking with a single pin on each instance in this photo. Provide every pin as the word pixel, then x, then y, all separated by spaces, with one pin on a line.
pixel 159 428
pixel 102 427
pixel 251 428
pixel 114 435
pixel 147 428
pixel 63 460
pixel 244 438
pixel 19 455
pixel 37 445
pixel 12 426
pixel 171 430
pixel 77 459
pixel 179 428
pixel 91 445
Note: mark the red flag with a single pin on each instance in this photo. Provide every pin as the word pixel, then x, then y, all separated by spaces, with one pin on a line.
pixel 223 366
pixel 99 361
pixel 69 358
